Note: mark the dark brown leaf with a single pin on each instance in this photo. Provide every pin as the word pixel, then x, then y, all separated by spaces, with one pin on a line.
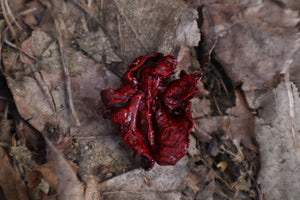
pixel 10 183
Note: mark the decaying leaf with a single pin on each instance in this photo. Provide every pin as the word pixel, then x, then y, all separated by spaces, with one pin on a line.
pixel 128 22
pixel 254 40
pixel 10 183
pixel 47 172
pixel 33 18
pixel 166 181
pixel 68 185
pixel 188 33
pixel 92 191
pixel 191 181
pixel 201 180
pixel 278 144
pixel 99 48
pixel 241 123
pixel 258 43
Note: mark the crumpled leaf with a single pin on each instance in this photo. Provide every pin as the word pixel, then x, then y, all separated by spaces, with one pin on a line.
pixel 294 69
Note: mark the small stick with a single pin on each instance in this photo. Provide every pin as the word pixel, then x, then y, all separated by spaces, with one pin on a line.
pixel 7 20
pixel 85 9
pixel 26 12
pixel 66 72
pixel 11 15
pixel 19 49
pixel 217 105
pixel 120 34
pixel 288 85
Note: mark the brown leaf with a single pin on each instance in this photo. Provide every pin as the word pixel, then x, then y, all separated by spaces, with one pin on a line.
pixel 10 183
pixel 26 47
pixel 188 33
pixel 258 43
pixel 241 122
pixel 166 180
pixel 99 48
pixel 33 18
pixel 137 33
pixel 207 192
pixel 191 181
pixel 45 171
pixel 92 192
pixel 200 107
pixel 69 186
pixel 204 127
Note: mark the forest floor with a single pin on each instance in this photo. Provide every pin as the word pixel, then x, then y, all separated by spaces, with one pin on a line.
pixel 56 56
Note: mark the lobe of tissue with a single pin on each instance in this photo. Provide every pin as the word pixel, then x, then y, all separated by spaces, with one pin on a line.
pixel 151 114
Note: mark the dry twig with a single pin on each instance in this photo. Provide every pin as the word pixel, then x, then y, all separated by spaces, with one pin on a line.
pixel 288 85
pixel 66 72
pixel 19 49
pixel 7 20
pixel 12 15
pixel 120 34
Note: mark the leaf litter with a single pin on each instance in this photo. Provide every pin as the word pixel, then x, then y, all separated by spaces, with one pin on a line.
pixel 54 51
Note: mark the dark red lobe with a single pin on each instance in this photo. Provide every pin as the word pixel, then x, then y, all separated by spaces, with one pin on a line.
pixel 151 114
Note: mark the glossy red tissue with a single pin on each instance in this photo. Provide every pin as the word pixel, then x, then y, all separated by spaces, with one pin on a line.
pixel 151 114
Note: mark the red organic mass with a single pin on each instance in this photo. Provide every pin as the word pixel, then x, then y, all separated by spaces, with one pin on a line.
pixel 151 114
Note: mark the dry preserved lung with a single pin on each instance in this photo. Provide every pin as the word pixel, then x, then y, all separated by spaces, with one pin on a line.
pixel 151 114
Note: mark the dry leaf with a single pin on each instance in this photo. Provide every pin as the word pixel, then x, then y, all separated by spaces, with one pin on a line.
pixel 47 172
pixel 258 41
pixel 207 192
pixel 11 185
pixel 26 47
pixel 34 18
pixel 241 122
pixel 69 186
pixel 200 107
pixel 167 182
pixel 128 23
pixel 188 33
pixel 191 181
pixel 92 191
pixel 280 173
pixel 98 49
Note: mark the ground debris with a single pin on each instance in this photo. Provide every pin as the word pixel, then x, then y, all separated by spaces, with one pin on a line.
pixel 56 56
